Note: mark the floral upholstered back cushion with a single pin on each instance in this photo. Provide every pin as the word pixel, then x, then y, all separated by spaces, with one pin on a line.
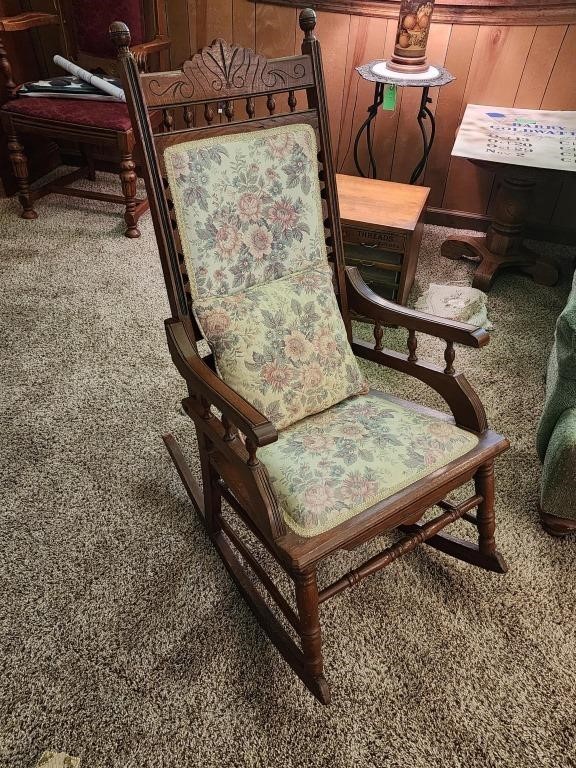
pixel 283 345
pixel 248 207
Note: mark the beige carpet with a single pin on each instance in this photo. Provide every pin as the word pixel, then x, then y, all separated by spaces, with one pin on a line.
pixel 124 641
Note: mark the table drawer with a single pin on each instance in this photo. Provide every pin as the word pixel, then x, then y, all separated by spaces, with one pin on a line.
pixel 379 276
pixel 384 290
pixel 361 256
pixel 387 241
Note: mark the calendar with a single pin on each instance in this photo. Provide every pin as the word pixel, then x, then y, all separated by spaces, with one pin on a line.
pixel 533 138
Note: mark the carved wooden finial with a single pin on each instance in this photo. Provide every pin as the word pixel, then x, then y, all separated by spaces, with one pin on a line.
pixel 307 20
pixel 120 36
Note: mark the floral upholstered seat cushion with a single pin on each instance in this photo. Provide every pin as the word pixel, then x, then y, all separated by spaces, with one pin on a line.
pixel 248 207
pixel 333 465
pixel 283 346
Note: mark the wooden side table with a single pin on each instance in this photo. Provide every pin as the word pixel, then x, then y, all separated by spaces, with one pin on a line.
pixel 382 231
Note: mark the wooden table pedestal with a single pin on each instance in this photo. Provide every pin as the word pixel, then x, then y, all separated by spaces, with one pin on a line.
pixel 502 247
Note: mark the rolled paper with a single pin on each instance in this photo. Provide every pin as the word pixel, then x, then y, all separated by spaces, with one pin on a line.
pixel 88 77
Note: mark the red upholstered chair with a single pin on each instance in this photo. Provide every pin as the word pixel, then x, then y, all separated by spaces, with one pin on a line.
pixel 84 26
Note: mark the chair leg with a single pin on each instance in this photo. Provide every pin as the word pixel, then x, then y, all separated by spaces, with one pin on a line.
pixel 128 179
pixel 486 516
pixel 212 495
pixel 88 159
pixel 310 634
pixel 19 163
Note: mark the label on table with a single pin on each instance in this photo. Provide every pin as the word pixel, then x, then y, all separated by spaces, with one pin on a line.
pixel 529 137
pixel 380 237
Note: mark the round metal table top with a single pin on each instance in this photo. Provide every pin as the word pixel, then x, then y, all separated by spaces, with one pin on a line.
pixel 418 80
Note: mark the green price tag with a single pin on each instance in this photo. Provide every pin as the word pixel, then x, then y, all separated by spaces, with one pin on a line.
pixel 389 102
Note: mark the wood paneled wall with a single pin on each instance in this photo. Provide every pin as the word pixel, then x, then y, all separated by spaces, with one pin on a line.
pixel 522 66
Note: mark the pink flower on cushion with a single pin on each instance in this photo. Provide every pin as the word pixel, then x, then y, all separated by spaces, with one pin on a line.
pixel 284 214
pixel 317 442
pixel 179 162
pixel 259 241
pixel 319 497
pixel 350 430
pixel 228 239
pixel 311 376
pixel 250 207
pixel 223 218
pixel 310 279
pixel 215 323
pixel 277 375
pixel 363 409
pixel 325 344
pixel 432 455
pixel 279 146
pixel 358 487
pixel 297 346
pixel 439 429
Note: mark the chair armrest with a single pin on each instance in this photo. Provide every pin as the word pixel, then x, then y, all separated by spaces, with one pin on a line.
pixel 23 21
pixel 144 50
pixel 366 302
pixel 159 43
pixel 203 381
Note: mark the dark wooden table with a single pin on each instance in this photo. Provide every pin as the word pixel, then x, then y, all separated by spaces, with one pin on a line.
pixel 520 146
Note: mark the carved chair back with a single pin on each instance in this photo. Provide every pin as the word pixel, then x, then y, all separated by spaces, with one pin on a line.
pixel 226 90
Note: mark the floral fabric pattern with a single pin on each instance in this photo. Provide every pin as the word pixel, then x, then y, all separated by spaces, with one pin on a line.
pixel 335 464
pixel 248 207
pixel 283 346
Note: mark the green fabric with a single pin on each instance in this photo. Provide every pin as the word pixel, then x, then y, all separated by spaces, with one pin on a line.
pixel 558 487
pixel 333 465
pixel 561 377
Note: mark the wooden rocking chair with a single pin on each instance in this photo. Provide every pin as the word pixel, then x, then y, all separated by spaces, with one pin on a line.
pixel 246 217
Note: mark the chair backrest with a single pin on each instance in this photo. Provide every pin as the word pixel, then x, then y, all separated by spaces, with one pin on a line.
pixel 87 23
pixel 224 91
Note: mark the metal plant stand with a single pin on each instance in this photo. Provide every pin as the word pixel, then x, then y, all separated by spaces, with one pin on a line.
pixel 424 113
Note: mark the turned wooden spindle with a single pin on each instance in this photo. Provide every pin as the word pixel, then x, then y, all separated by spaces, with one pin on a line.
pixel 485 514
pixel 167 120
pixel 412 346
pixel 189 116
pixel 250 108
pixel 308 613
pixel 292 101
pixel 229 429
pixel 251 448
pixel 378 334
pixel 128 179
pixel 206 410
pixel 271 104
pixel 19 165
pixel 209 113
pixel 449 355
pixel 10 86
pixel 229 110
